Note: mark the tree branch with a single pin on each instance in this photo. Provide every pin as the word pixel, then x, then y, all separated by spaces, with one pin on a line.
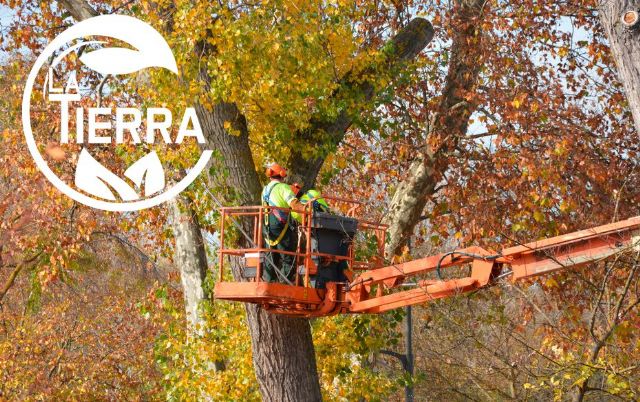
pixel 405 45
pixel 79 9
pixel 14 274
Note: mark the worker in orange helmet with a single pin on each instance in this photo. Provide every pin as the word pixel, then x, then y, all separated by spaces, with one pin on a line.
pixel 296 188
pixel 278 224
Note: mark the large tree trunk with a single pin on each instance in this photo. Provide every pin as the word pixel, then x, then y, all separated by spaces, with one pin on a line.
pixel 283 357
pixel 625 46
pixel 449 122
pixel 283 354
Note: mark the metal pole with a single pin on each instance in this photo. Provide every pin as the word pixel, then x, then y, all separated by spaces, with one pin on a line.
pixel 408 345
pixel 407 358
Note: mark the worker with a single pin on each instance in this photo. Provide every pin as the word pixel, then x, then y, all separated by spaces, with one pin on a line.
pixel 278 231
pixel 313 195
pixel 328 270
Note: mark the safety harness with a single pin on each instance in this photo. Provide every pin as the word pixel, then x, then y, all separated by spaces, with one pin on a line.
pixel 280 215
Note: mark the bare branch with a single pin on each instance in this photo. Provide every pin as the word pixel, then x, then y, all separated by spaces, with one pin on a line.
pixel 14 274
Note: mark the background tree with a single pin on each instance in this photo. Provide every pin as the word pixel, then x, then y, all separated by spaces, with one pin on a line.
pixel 518 166
pixel 620 21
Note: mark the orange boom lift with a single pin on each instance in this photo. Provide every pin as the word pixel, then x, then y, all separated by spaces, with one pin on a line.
pixel 376 287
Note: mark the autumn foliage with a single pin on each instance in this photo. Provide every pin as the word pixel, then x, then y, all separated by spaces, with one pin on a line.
pixel 528 135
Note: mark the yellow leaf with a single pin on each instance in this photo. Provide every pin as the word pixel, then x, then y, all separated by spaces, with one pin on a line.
pixel 538 216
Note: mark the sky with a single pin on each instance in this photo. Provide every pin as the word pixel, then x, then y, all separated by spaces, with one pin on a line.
pixel 6 16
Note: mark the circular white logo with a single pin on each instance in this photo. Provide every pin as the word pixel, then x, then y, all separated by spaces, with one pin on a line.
pixel 143 184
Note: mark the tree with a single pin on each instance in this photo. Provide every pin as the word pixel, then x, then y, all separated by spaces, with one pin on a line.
pixel 621 24
pixel 283 373
pixel 516 104
pixel 286 374
pixel 448 123
pixel 531 171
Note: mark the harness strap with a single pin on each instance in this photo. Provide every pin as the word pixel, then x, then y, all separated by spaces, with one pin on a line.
pixel 280 236
pixel 266 199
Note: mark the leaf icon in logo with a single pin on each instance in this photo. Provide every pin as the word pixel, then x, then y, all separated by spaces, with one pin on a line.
pixel 151 48
pixel 91 177
pixel 95 179
pixel 150 169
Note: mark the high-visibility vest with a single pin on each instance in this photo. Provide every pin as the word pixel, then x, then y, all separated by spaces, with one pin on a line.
pixel 281 216
pixel 319 203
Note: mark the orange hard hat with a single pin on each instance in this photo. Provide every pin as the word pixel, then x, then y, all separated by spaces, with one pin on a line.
pixel 276 170
pixel 296 187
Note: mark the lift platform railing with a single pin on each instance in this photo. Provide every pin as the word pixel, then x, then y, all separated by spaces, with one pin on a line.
pixel 257 255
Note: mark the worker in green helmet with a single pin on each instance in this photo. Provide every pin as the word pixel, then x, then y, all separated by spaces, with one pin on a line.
pixel 328 271
pixel 319 203
pixel 313 195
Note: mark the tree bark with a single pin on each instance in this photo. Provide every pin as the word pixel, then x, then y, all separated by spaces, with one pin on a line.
pixel 283 356
pixel 450 121
pixel 79 9
pixel 14 274
pixel 409 201
pixel 625 47
pixel 10 281
pixel 190 258
pixel 237 159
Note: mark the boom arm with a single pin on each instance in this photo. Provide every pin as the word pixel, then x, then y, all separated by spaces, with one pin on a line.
pixel 376 291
